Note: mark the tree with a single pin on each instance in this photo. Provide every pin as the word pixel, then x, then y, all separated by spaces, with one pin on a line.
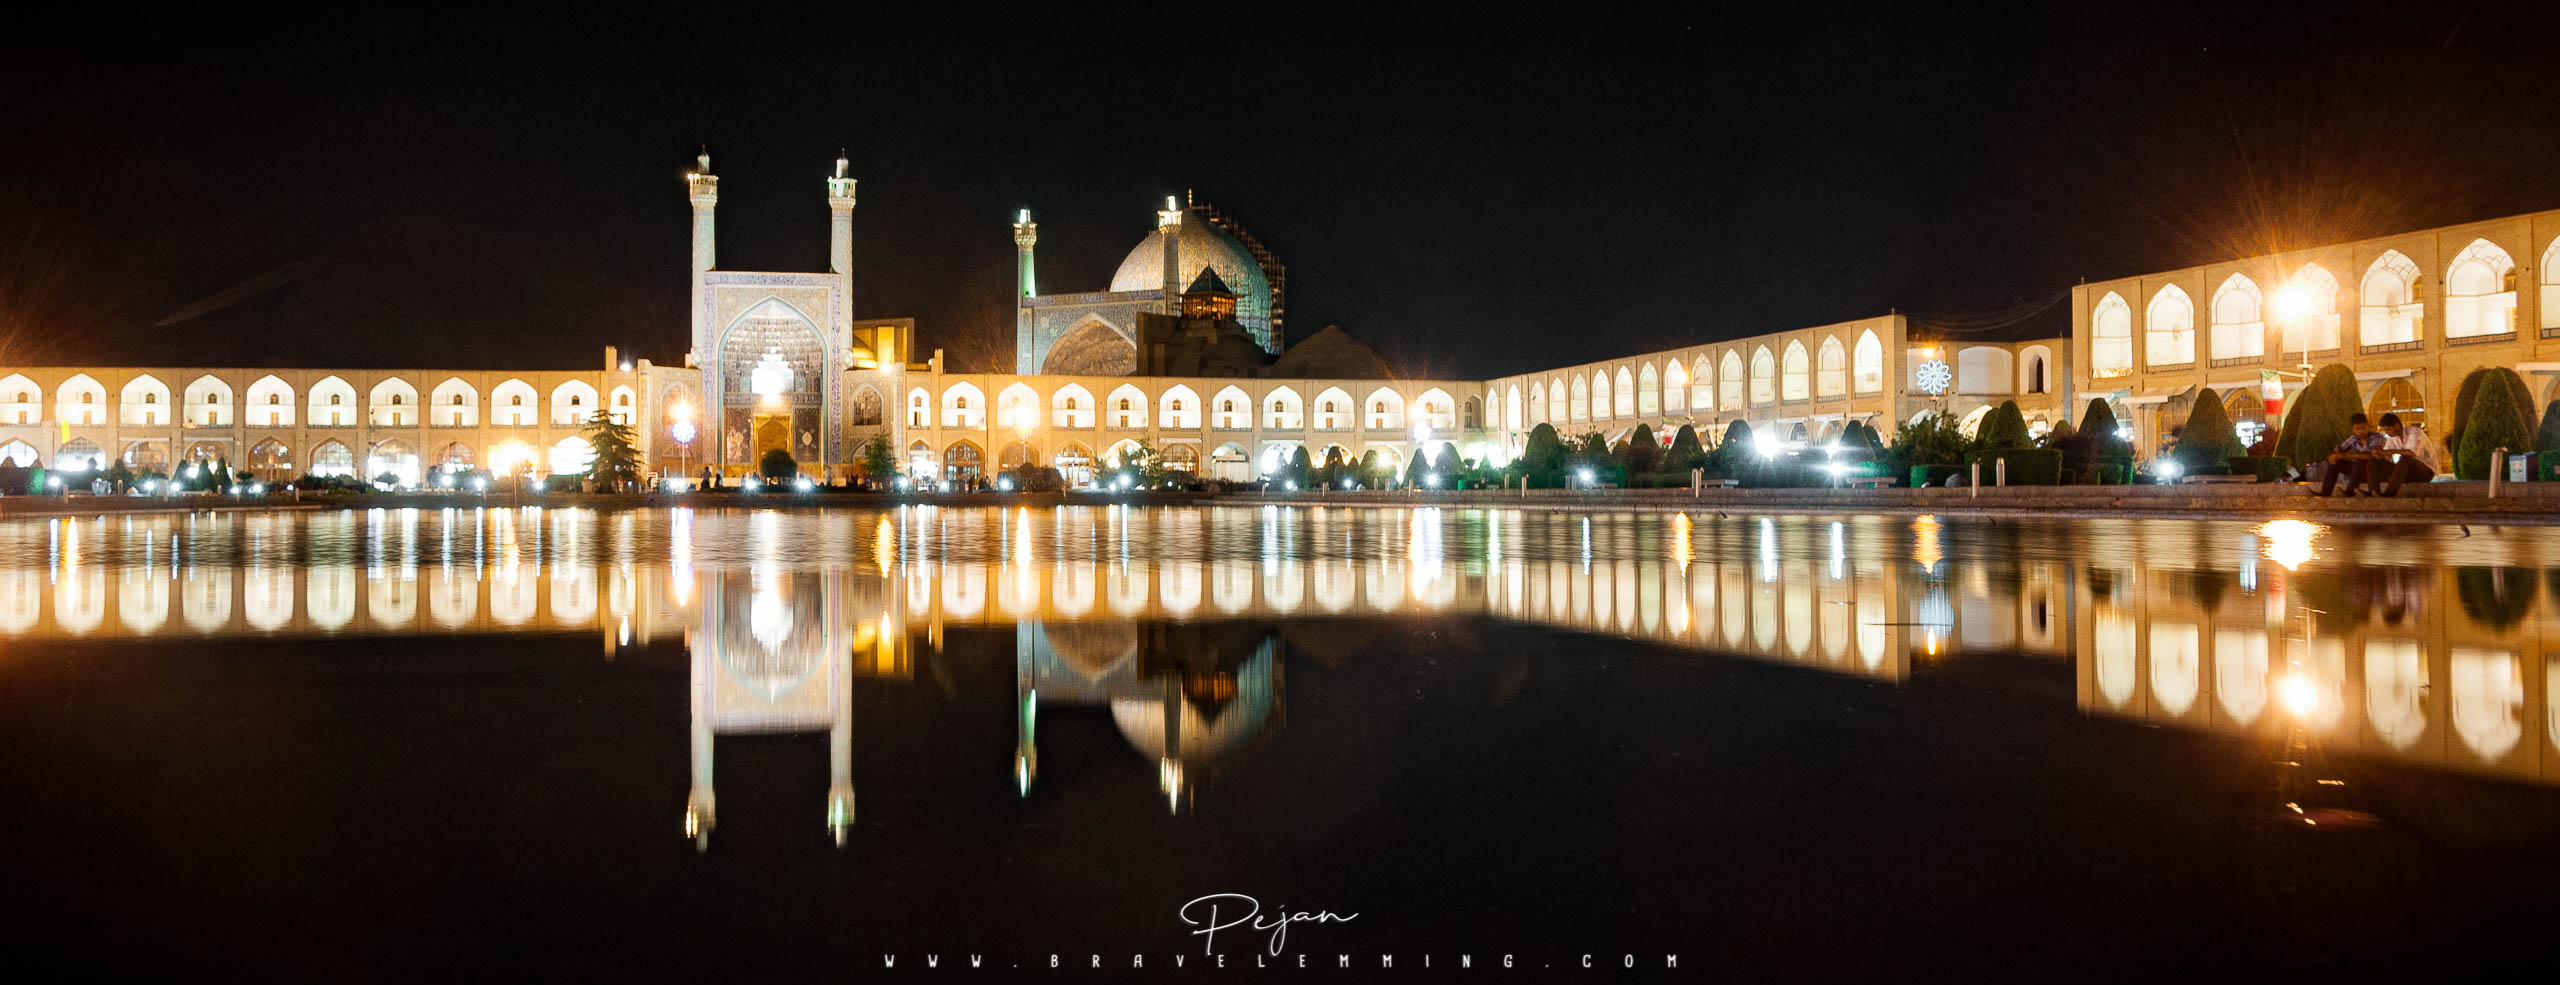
pixel 2463 396
pixel 2106 436
pixel 1643 453
pixel 1542 459
pixel 1932 438
pixel 879 460
pixel 1298 467
pixel 1595 449
pixel 2208 442
pixel 2317 420
pixel 2501 417
pixel 1331 474
pixel 777 465
pixel 1685 452
pixel 2548 438
pixel 617 455
pixel 1728 453
pixel 2004 427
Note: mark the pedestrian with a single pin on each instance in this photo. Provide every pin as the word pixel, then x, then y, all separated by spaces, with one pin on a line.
pixel 2354 457
pixel 2408 455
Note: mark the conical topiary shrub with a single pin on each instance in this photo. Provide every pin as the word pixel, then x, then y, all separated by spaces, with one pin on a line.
pixel 2548 438
pixel 2208 443
pixel 2501 417
pixel 2099 423
pixel 2004 427
pixel 2317 420
pixel 2463 397
pixel 1643 454
pixel 1685 452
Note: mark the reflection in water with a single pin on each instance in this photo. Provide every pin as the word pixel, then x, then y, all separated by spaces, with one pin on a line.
pixel 1168 621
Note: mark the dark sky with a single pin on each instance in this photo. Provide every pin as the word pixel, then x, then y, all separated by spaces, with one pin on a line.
pixel 1474 196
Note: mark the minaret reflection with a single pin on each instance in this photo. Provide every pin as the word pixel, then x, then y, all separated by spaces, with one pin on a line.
pixel 1190 697
pixel 773 653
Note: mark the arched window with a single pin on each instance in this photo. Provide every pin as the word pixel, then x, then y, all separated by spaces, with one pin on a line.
pixel 2307 310
pixel 2111 338
pixel 1675 386
pixel 2399 397
pixel 1600 395
pixel 2480 292
pixel 2169 330
pixel 1648 392
pixel 1581 400
pixel 1793 376
pixel 2551 287
pixel 1622 399
pixel 1730 392
pixel 2391 313
pixel 1831 369
pixel 2239 331
pixel 1764 377
pixel 1870 363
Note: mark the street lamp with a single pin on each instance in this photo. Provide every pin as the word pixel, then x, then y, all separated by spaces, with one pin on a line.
pixel 680 427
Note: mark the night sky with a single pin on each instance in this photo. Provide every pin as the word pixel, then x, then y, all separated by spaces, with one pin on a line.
pixel 1473 197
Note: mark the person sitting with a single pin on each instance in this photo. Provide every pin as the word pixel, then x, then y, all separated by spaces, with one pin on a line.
pixel 2354 457
pixel 2408 455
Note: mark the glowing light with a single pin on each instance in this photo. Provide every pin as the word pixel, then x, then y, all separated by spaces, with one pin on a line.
pixel 1292 486
pixel 257 489
pixel 753 483
pixel 2293 302
pixel 805 484
pixel 1004 484
pixel 2299 695
pixel 2288 542
pixel 1432 480
pixel 1586 476
pixel 1766 444
pixel 2169 471
pixel 770 376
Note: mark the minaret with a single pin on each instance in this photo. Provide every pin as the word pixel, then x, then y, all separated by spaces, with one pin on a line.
pixel 840 229
pixel 703 188
pixel 1169 222
pixel 1025 233
pixel 840 751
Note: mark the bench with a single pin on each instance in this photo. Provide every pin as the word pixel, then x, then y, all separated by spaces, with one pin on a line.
pixel 1869 482
pixel 2216 480
pixel 1720 483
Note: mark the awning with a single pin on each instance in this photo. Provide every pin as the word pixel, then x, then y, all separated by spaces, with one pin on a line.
pixel 2159 396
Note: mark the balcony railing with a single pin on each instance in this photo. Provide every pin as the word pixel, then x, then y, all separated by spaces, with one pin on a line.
pixel 2169 367
pixel 2507 336
pixel 2239 361
pixel 2412 345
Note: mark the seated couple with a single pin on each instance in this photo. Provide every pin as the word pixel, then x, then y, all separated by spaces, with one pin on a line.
pixel 2380 461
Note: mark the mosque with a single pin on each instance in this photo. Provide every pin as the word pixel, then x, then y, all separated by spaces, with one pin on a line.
pixel 1186 351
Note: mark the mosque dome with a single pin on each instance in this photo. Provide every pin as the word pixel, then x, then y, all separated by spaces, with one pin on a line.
pixel 1202 245
pixel 1332 354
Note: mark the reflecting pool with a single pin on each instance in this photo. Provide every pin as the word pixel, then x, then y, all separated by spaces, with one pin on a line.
pixel 660 742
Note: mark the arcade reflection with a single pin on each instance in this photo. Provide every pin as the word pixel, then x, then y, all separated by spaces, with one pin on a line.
pixel 1178 624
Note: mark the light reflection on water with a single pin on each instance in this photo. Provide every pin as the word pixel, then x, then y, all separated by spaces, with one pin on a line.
pixel 2415 644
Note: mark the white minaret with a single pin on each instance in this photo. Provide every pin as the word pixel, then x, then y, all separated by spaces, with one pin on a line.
pixel 703 188
pixel 840 229
pixel 1169 222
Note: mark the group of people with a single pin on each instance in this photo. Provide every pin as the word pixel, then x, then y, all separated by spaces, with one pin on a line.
pixel 2380 461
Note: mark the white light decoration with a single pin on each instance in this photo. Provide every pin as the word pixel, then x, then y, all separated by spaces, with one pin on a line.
pixel 682 431
pixel 1934 377
pixel 770 375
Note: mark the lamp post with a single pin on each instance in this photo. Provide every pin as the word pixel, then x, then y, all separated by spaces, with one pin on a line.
pixel 681 429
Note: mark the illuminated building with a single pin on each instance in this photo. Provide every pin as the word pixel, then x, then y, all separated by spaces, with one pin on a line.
pixel 2410 314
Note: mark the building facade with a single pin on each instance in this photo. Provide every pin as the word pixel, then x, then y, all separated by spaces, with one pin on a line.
pixel 2410 313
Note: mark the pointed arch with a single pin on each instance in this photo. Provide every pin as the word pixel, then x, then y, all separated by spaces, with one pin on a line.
pixel 2239 320
pixel 1868 365
pixel 1125 409
pixel 2307 310
pixel 1831 368
pixel 1093 346
pixel 1557 411
pixel 2169 329
pixel 622 405
pixel 1178 409
pixel 2550 267
pixel 1622 394
pixel 207 402
pixel 21 400
pixel 1731 395
pixel 869 407
pixel 1648 392
pixel 2391 312
pixel 332 458
pixel 1702 384
pixel 572 402
pixel 1017 407
pixel 271 460
pixel 1333 410
pixel 1513 407
pixel 1282 410
pixel 80 400
pixel 144 401
pixel 1231 409
pixel 2110 337
pixel 1675 385
pixel 1537 404
pixel 1764 377
pixel 1383 410
pixel 1581 404
pixel 2480 292
pixel 332 404
pixel 963 405
pixel 1795 372
pixel 1436 408
pixel 513 404
pixel 1603 395
pixel 393 403
pixel 1071 407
